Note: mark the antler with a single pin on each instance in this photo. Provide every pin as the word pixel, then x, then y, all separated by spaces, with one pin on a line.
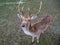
pixel 20 10
pixel 29 13
pixel 39 8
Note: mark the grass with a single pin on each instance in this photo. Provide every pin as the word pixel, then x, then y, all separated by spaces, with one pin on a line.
pixel 11 34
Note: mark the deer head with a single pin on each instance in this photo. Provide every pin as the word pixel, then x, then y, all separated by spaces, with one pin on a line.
pixel 26 19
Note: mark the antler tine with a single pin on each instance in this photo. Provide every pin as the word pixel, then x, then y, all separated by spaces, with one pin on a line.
pixel 18 8
pixel 29 12
pixel 39 8
pixel 20 11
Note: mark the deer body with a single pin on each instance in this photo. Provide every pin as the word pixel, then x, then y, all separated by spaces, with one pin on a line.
pixel 28 32
pixel 35 29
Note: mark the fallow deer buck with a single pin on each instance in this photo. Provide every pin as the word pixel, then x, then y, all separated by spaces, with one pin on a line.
pixel 35 29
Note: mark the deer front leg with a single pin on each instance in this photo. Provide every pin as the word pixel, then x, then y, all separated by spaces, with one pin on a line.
pixel 32 38
pixel 37 39
pixel 42 31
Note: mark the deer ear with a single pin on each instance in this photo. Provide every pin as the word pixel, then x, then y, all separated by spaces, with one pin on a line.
pixel 19 16
pixel 33 17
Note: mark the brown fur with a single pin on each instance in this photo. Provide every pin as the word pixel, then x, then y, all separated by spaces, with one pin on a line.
pixel 41 24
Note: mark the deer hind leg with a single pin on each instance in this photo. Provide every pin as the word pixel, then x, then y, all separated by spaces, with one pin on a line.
pixel 33 39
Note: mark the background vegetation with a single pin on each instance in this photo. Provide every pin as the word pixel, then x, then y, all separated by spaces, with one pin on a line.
pixel 11 33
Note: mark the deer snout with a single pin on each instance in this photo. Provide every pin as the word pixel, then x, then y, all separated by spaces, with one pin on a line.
pixel 23 25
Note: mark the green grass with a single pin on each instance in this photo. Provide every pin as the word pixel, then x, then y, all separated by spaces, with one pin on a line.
pixel 11 34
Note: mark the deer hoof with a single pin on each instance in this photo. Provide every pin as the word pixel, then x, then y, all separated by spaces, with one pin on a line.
pixel 37 41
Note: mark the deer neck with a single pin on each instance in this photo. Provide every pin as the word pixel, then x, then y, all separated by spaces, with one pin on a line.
pixel 26 30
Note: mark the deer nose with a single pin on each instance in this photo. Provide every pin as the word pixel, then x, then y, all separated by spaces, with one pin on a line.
pixel 23 25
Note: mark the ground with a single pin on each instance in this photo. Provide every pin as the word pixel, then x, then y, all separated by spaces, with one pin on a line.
pixel 11 33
